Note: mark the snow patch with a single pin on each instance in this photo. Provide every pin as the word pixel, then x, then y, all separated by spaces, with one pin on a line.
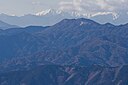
pixel 82 23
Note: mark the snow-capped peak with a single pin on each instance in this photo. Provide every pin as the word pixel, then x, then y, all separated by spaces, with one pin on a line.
pixel 57 12
pixel 76 14
pixel 49 11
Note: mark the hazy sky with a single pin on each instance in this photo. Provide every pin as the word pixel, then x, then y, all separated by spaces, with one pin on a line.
pixel 20 7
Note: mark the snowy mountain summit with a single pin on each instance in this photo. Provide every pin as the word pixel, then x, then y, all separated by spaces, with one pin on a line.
pixel 48 11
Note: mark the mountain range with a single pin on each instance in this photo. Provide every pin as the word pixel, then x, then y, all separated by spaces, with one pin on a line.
pixel 71 52
pixel 4 25
pixel 71 41
pixel 51 16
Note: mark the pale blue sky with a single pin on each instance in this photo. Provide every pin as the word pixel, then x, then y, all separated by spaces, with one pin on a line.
pixel 21 7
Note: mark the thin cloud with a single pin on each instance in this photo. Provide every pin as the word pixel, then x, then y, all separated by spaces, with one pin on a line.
pixel 94 6
pixel 36 3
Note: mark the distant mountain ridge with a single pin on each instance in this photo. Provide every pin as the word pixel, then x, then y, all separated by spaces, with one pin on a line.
pixel 51 16
pixel 4 25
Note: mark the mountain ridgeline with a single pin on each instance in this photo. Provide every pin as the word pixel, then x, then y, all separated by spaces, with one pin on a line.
pixel 75 43
pixel 4 25
pixel 52 16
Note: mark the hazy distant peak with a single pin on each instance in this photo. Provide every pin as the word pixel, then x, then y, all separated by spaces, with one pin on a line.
pixel 4 25
pixel 48 11
pixel 52 16
pixel 76 14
